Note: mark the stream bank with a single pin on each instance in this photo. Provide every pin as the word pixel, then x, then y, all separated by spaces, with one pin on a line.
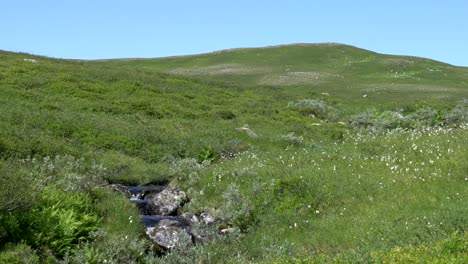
pixel 160 211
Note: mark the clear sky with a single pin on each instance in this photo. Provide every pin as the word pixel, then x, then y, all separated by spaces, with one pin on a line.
pixel 97 29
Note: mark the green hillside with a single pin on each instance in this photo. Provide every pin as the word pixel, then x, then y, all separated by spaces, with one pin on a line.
pixel 343 71
pixel 357 156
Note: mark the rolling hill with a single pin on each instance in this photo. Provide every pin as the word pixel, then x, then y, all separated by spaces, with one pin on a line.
pixel 349 155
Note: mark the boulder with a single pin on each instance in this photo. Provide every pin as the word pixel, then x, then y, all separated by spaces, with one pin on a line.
pixel 191 218
pixel 139 192
pixel 169 234
pixel 207 218
pixel 166 202
pixel 158 221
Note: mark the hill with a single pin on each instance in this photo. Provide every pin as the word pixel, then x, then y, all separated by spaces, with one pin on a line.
pixel 350 155
pixel 341 70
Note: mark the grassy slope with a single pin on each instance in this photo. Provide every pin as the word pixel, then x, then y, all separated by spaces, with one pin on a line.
pixel 140 118
pixel 343 71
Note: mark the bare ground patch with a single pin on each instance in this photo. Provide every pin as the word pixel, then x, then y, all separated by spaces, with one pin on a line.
pixel 413 88
pixel 293 78
pixel 221 69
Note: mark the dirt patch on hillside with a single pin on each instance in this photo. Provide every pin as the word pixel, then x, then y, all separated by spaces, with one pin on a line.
pixel 294 78
pixel 413 88
pixel 221 69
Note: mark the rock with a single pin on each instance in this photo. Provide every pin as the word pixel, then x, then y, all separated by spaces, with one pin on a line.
pixel 207 218
pixel 169 236
pixel 30 60
pixel 203 227
pixel 166 202
pixel 227 230
pixel 247 130
pixel 159 221
pixel 139 192
pixel 193 219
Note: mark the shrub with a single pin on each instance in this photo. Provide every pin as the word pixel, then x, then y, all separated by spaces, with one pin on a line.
pixel 423 117
pixel 18 254
pixel 452 250
pixel 226 114
pixel 291 139
pixel 389 120
pixel 18 190
pixel 66 173
pixel 121 249
pixel 315 107
pixel 231 148
pixel 459 114
pixel 362 120
pixel 236 208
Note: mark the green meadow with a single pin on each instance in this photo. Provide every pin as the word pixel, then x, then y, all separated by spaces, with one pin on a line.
pixel 350 157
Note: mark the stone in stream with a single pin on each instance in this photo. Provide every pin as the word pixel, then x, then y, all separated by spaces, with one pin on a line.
pixel 136 192
pixel 139 192
pixel 166 202
pixel 159 220
pixel 169 237
pixel 168 232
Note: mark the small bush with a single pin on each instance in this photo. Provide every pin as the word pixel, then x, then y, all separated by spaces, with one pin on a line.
pixel 18 254
pixel 362 120
pixel 226 114
pixel 18 189
pixel 291 139
pixel 121 249
pixel 66 173
pixel 314 107
pixel 452 250
pixel 231 148
pixel 236 208
pixel 389 120
pixel 459 114
pixel 423 117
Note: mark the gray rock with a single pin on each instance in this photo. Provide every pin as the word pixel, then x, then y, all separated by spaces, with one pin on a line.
pixel 166 202
pixel 207 218
pixel 139 192
pixel 30 60
pixel 168 235
pixel 191 218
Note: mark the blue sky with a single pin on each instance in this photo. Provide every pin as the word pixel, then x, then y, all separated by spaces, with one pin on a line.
pixel 96 29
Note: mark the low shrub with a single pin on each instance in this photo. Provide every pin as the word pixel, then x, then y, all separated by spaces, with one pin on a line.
pixel 226 114
pixel 389 120
pixel 291 139
pixel 362 120
pixel 236 208
pixel 18 254
pixel 66 173
pixel 458 114
pixel 18 188
pixel 314 107
pixel 451 250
